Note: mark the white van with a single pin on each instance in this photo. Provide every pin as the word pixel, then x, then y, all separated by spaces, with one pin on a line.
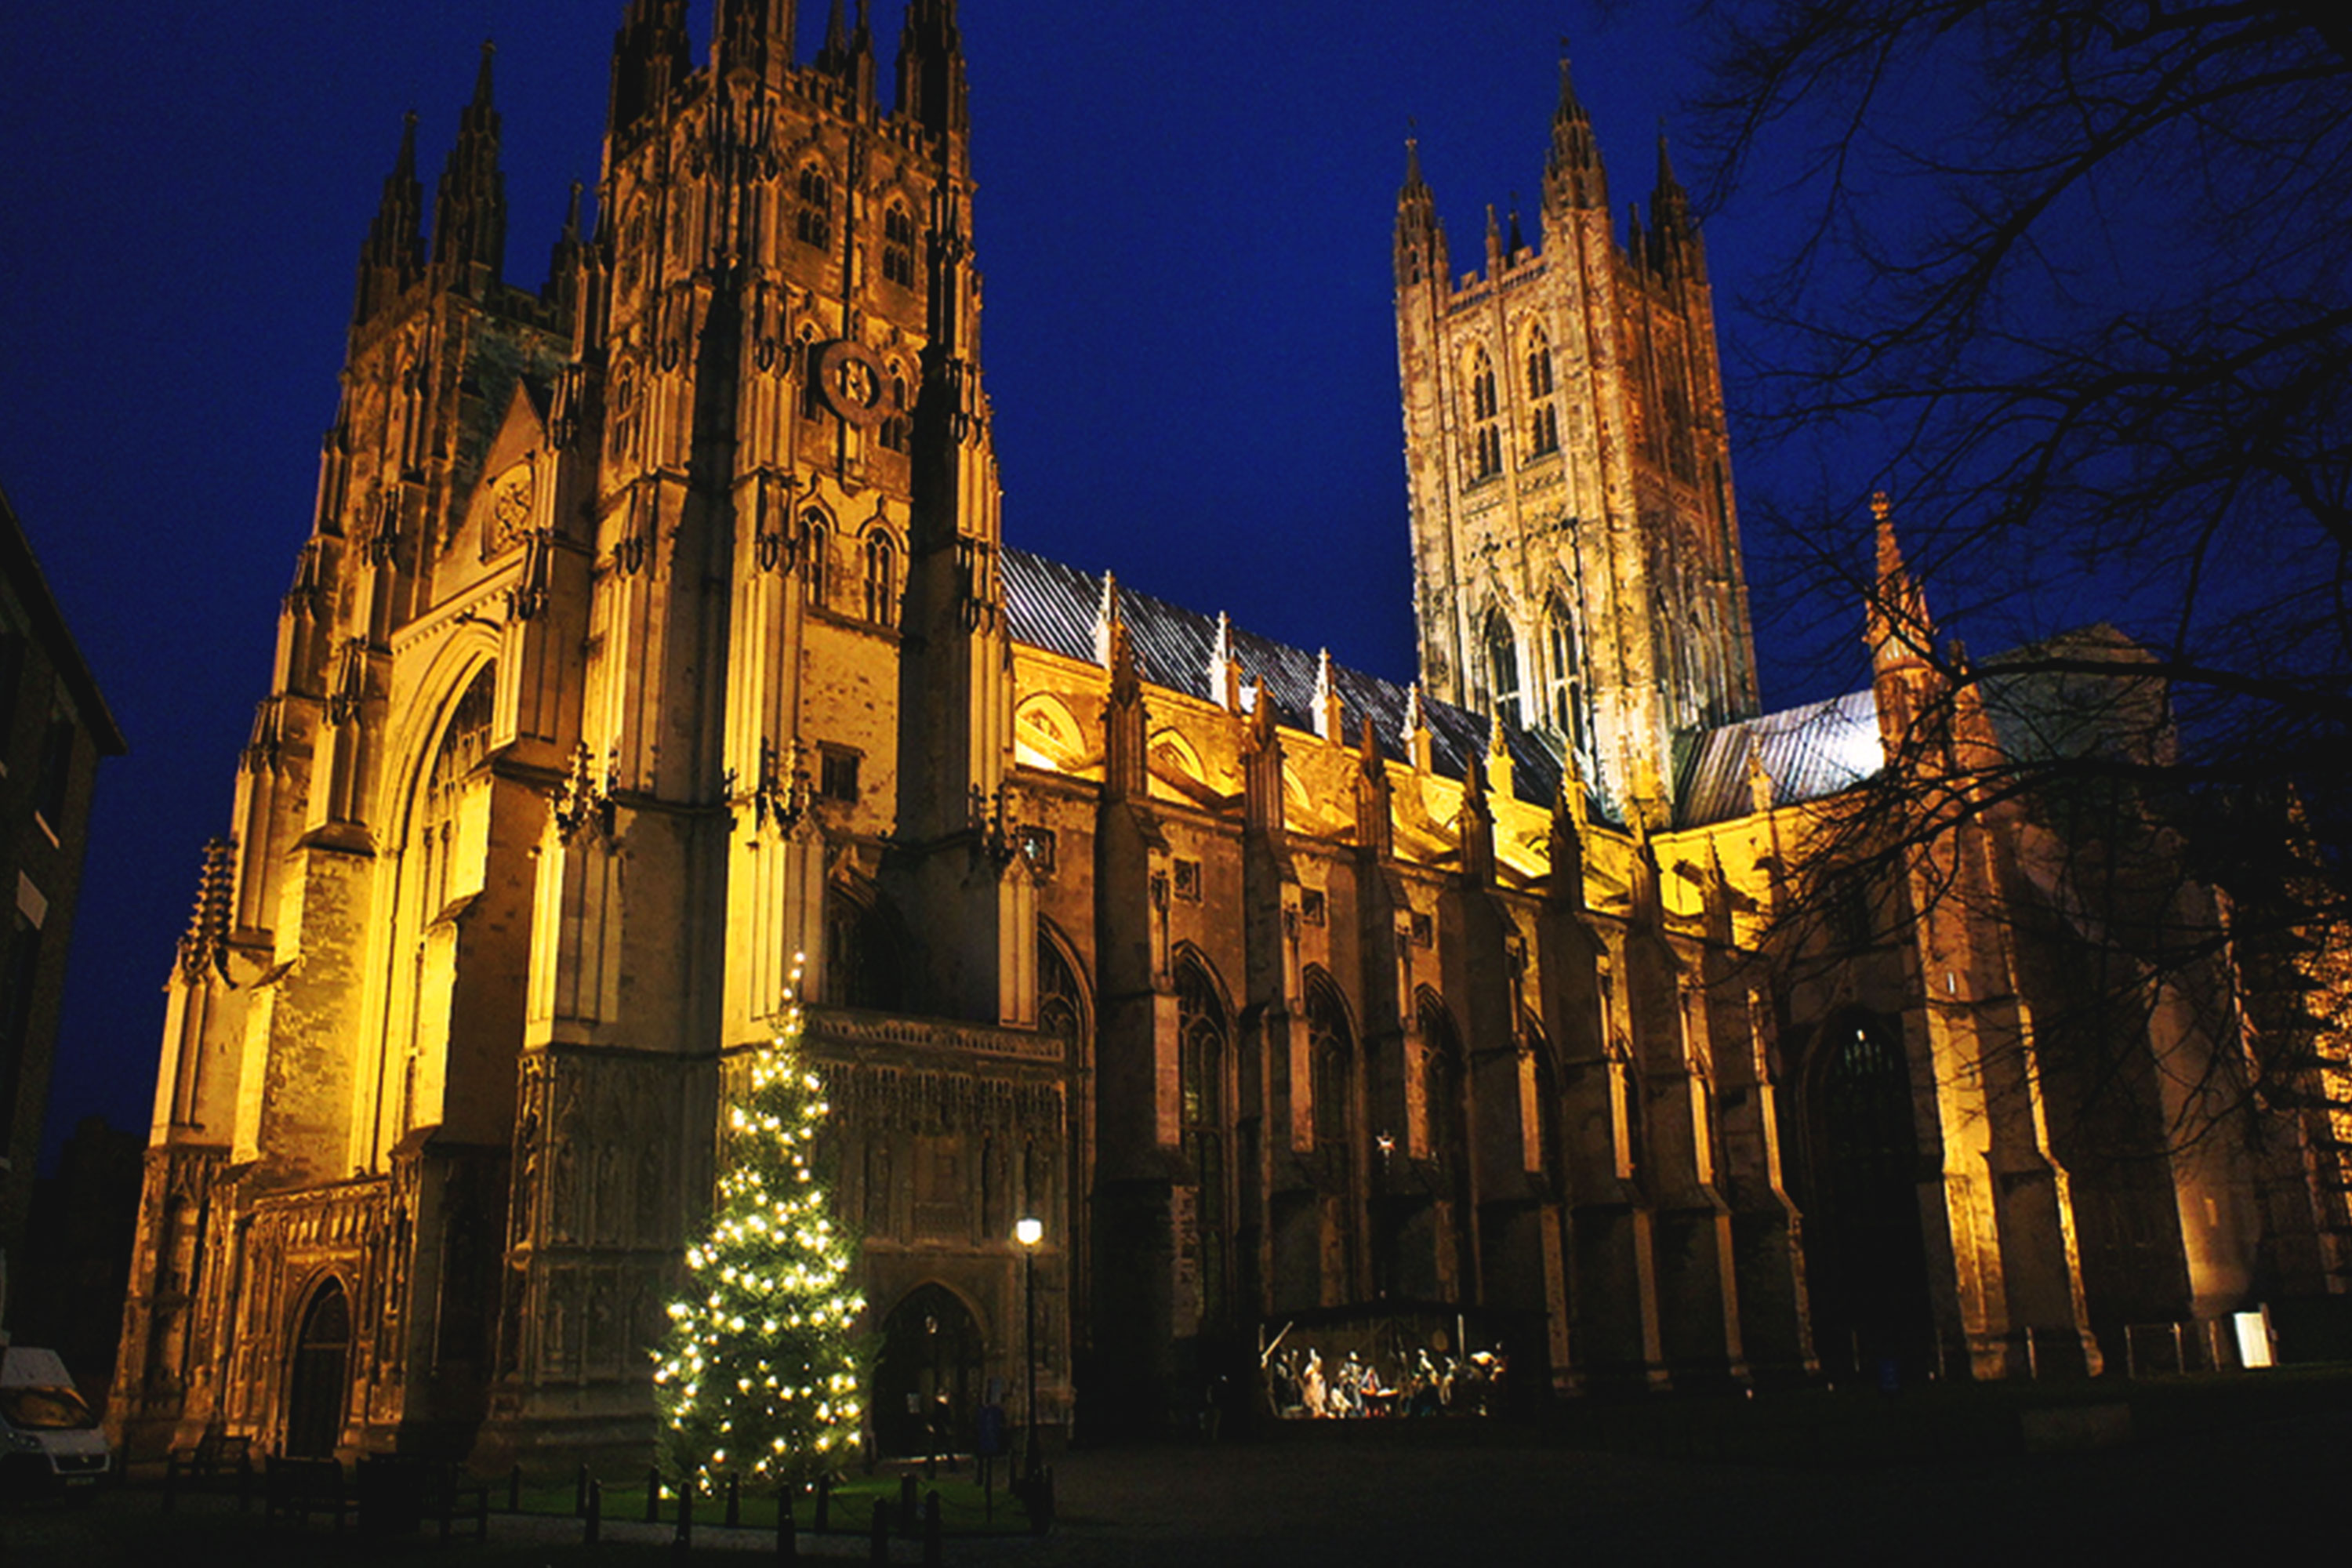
pixel 49 1436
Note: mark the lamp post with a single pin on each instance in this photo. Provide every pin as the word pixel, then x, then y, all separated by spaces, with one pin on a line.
pixel 1029 1231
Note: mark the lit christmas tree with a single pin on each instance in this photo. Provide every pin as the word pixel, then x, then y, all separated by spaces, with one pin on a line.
pixel 761 1376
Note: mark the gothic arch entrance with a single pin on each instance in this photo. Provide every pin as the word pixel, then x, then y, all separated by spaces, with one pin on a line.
pixel 927 1381
pixel 321 1376
pixel 1866 1258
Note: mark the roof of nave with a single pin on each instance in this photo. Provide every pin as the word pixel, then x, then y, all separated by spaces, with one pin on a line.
pixel 2087 690
pixel 1808 752
pixel 1055 607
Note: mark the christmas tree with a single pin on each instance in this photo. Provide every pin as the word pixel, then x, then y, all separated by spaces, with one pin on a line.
pixel 759 1376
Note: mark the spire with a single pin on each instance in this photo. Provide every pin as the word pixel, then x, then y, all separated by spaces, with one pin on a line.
pixel 1565 885
pixel 1499 766
pixel 1415 733
pixel 1905 684
pixel 1328 705
pixel 1761 791
pixel 1420 239
pixel 753 36
pixel 1494 244
pixel 650 57
pixel 1225 672
pixel 932 91
pixel 1900 628
pixel 564 261
pixel 1515 242
pixel 1674 240
pixel 1573 176
pixel 1375 827
pixel 1126 770
pixel 1106 622
pixel 849 55
pixel 469 209
pixel 1475 824
pixel 394 255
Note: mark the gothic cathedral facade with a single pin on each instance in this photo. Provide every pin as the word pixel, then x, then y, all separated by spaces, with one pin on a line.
pixel 656 633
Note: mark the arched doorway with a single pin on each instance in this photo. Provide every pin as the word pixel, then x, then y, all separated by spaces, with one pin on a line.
pixel 321 1376
pixel 927 1381
pixel 1866 1258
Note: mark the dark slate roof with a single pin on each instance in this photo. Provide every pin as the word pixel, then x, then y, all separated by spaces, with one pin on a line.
pixel 1810 753
pixel 1054 607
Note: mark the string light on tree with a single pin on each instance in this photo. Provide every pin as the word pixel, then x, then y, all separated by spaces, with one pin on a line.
pixel 761 1373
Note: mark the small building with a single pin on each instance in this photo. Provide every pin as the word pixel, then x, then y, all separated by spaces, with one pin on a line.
pixel 54 728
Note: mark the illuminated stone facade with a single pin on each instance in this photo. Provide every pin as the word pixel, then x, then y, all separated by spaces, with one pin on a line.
pixel 656 628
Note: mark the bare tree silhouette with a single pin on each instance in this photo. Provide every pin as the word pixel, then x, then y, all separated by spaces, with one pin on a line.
pixel 2080 277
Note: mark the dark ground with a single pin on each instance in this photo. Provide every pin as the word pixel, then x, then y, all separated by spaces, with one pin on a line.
pixel 2251 1481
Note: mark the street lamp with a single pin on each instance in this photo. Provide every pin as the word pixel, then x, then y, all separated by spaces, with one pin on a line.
pixel 1029 1231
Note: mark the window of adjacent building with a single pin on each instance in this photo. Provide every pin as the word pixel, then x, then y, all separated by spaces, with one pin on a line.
pixel 1188 880
pixel 812 225
pixel 51 784
pixel 12 675
pixel 19 967
pixel 1312 905
pixel 898 246
pixel 881 580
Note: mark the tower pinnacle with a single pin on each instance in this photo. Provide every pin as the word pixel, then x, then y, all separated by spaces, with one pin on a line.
pixel 394 253
pixel 469 209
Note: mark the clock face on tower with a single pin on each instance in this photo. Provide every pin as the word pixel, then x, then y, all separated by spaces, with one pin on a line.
pixel 850 380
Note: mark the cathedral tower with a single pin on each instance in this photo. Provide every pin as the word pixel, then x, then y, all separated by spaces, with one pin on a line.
pixel 1576 551
pixel 624 600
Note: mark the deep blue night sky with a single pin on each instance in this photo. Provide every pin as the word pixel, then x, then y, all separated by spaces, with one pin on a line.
pixel 1184 223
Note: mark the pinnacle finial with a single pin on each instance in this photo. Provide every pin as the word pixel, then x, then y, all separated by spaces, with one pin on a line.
pixel 1571 107
pixel 482 75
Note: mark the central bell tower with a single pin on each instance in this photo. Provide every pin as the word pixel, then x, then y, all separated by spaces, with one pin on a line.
pixel 1577 564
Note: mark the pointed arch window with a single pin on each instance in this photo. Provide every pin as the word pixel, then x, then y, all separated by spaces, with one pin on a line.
pixel 1502 650
pixel 812 225
pixel 1485 412
pixel 1446 1099
pixel 1061 1007
pixel 881 580
pixel 898 429
pixel 1543 418
pixel 1566 658
pixel 1203 1041
pixel 864 964
pixel 898 246
pixel 814 539
pixel 1331 1050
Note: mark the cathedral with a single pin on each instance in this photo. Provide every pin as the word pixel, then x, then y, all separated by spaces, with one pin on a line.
pixel 656 636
